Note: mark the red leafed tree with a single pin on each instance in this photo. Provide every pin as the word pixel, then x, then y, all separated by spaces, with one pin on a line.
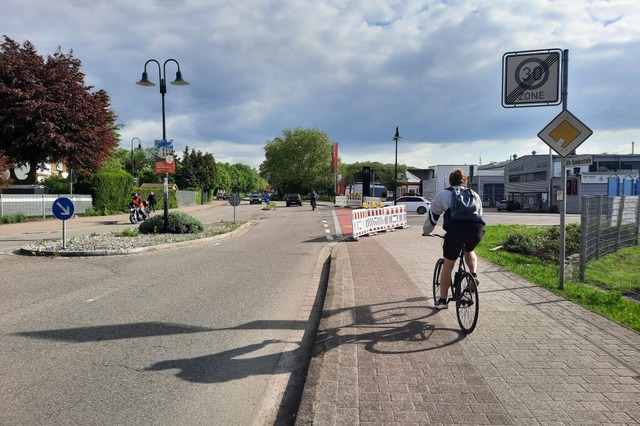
pixel 4 167
pixel 48 114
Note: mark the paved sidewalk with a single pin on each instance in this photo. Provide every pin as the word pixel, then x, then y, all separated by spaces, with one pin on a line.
pixel 384 356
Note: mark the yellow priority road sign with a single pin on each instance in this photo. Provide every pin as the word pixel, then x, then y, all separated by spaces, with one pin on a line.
pixel 565 133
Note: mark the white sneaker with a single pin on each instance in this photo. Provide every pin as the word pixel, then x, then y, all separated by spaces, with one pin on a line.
pixel 441 304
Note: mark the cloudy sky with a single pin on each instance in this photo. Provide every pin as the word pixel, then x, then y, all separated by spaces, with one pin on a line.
pixel 353 68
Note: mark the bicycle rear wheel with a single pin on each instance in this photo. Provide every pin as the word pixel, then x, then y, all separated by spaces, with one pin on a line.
pixel 468 304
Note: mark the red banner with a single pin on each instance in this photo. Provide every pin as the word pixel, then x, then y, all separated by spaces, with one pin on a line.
pixel 334 158
pixel 163 166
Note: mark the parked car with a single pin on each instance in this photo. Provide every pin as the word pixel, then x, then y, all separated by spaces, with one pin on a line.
pixel 513 205
pixel 414 203
pixel 293 199
pixel 255 198
pixel 501 205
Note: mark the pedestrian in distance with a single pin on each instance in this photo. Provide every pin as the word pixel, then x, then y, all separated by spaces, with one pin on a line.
pixel 464 226
pixel 152 202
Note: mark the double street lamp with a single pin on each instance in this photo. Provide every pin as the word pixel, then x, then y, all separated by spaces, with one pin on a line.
pixel 133 164
pixel 179 81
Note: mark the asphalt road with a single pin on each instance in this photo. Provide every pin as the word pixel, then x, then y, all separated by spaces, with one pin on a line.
pixel 213 333
pixel 208 334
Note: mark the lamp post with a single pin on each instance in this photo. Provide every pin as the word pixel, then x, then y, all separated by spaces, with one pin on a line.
pixel 179 81
pixel 133 167
pixel 395 176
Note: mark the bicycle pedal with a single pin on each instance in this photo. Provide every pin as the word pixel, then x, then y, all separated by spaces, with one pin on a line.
pixel 466 303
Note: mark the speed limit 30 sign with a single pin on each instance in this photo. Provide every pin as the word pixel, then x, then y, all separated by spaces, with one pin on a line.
pixel 531 78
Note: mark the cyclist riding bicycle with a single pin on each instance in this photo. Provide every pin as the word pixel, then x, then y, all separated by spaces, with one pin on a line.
pixel 463 229
pixel 137 203
pixel 313 197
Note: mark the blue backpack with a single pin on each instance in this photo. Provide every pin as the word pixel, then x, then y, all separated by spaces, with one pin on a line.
pixel 463 205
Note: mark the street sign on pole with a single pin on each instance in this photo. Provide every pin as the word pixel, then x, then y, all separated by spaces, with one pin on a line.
pixel 234 200
pixel 164 155
pixel 531 78
pixel 579 160
pixel 63 209
pixel 565 133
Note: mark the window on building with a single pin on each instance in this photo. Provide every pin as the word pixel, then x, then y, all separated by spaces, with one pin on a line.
pixel 572 187
pixel 540 176
pixel 630 165
pixel 608 166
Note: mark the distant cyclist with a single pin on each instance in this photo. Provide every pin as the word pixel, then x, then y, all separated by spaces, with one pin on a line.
pixel 466 231
pixel 137 203
pixel 313 197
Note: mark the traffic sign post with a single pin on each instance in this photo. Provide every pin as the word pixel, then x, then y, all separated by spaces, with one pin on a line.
pixel 531 78
pixel 63 209
pixel 234 200
pixel 164 164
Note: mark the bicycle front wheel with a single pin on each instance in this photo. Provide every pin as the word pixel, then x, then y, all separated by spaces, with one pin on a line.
pixel 436 280
pixel 468 304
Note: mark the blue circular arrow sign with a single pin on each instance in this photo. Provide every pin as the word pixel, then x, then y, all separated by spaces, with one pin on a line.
pixel 63 208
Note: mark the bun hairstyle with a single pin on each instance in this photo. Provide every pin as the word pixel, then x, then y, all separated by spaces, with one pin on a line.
pixel 457 177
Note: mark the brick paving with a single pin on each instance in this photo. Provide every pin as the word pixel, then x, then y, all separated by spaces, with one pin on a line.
pixel 385 356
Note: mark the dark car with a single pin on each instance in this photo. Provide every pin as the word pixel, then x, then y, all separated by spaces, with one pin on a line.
pixel 513 205
pixel 255 198
pixel 293 199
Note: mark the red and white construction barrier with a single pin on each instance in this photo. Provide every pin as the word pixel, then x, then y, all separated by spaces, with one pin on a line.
pixel 370 221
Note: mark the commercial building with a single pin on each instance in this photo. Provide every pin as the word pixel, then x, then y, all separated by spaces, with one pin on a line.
pixel 527 181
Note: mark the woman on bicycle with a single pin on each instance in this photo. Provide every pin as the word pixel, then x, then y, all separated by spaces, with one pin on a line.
pixel 466 230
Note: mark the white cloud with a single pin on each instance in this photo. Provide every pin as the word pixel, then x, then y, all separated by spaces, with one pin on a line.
pixel 355 69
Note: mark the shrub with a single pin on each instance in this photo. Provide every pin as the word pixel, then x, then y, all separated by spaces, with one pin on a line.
pixel 56 184
pixel 14 218
pixel 111 191
pixel 546 244
pixel 178 223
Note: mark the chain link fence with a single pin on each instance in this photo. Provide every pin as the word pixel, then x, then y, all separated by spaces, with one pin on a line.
pixel 608 226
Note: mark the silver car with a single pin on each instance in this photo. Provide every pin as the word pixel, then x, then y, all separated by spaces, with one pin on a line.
pixel 414 203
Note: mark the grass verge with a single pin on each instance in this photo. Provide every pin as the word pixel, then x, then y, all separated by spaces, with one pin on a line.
pixel 545 273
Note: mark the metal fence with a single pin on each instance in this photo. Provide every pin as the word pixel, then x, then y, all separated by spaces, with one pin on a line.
pixel 186 198
pixel 39 205
pixel 609 224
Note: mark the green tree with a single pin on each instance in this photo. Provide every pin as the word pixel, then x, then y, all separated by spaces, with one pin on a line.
pixel 48 114
pixel 298 161
pixel 197 170
pixel 224 177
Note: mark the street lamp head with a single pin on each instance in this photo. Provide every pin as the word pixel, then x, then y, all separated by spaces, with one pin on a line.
pixel 145 80
pixel 397 135
pixel 179 81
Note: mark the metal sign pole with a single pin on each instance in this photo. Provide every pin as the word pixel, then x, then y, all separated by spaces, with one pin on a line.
pixel 64 235
pixel 563 213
